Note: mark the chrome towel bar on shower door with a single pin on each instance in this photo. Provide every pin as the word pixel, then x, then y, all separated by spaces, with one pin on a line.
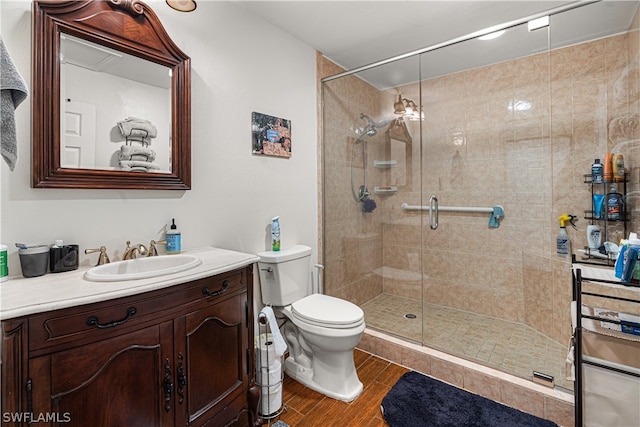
pixel 496 212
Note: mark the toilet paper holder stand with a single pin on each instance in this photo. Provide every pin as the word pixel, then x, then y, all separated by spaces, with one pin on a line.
pixel 269 372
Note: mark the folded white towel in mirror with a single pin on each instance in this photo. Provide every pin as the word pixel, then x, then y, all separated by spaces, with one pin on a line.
pixel 137 165
pixel 133 126
pixel 131 152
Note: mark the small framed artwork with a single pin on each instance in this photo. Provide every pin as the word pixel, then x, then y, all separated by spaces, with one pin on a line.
pixel 271 136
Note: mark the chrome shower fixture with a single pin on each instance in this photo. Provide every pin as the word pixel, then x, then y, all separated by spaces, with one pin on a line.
pixel 371 128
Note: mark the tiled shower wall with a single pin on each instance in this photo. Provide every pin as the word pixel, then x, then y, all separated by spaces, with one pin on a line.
pixel 478 150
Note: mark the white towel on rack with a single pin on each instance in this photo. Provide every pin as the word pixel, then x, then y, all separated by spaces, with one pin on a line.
pixel 278 340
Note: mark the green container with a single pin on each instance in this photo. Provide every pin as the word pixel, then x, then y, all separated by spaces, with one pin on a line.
pixel 4 264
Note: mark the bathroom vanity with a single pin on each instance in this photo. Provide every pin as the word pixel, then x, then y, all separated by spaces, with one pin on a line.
pixel 174 350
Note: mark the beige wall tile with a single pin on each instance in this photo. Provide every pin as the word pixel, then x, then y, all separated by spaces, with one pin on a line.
pixel 522 399
pixel 447 371
pixel 482 384
pixel 559 411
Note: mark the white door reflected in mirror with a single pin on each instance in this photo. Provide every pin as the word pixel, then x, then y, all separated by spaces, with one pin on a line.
pixel 78 144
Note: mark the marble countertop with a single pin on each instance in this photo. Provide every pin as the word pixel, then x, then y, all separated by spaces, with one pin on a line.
pixel 20 296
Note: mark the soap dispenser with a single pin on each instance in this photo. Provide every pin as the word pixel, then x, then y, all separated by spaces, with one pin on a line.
pixel 173 239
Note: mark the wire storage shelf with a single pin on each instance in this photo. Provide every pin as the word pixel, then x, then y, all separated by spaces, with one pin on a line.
pixel 613 226
pixel 605 347
pixel 269 371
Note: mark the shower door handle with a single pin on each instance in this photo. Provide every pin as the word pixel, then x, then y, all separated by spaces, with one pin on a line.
pixel 433 206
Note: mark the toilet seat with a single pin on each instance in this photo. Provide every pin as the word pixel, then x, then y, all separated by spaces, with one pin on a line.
pixel 327 312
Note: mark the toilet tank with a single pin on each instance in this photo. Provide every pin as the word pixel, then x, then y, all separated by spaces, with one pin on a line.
pixel 284 275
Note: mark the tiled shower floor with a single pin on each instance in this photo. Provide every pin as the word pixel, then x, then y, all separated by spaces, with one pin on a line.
pixel 507 346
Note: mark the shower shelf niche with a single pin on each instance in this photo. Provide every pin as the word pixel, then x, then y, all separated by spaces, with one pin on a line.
pixel 386 189
pixel 385 164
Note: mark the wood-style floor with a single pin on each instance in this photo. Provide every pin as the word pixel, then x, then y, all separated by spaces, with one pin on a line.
pixel 308 408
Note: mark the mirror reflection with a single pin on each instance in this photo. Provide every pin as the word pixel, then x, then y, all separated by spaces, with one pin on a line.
pixel 115 109
pixel 400 147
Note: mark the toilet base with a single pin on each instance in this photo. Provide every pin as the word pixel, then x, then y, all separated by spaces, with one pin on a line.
pixel 304 376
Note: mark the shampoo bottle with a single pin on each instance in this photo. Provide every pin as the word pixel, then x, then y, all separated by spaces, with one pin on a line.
pixel 173 239
pixel 618 168
pixel 594 237
pixel 275 234
pixel 619 265
pixel 614 204
pixel 596 172
pixel 608 167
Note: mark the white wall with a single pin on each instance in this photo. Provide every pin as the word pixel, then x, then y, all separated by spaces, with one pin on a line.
pixel 240 64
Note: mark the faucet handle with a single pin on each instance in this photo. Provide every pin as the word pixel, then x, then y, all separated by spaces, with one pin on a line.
pixel 127 251
pixel 152 247
pixel 103 258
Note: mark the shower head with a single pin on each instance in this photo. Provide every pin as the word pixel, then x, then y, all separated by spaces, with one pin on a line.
pixel 371 127
pixel 372 124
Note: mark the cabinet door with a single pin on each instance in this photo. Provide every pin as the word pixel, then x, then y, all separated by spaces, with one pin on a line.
pixel 113 383
pixel 13 368
pixel 213 342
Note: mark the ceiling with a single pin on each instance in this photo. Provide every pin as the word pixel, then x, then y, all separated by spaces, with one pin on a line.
pixel 95 57
pixel 357 33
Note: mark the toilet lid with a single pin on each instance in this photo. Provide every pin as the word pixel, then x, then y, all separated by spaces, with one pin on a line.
pixel 328 311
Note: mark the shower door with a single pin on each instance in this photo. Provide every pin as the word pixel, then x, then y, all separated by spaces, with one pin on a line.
pixel 486 157
pixel 371 164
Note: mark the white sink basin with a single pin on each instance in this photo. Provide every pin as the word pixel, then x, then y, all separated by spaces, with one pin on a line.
pixel 142 268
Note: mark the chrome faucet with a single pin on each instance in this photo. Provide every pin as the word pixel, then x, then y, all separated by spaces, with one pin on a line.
pixel 130 252
pixel 103 258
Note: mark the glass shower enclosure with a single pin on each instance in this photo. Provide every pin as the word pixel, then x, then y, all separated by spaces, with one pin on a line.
pixel 443 173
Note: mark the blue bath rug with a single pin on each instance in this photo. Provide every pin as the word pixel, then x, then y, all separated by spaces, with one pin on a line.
pixel 418 400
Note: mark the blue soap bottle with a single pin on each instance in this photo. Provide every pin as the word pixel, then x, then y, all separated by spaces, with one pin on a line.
pixel 173 239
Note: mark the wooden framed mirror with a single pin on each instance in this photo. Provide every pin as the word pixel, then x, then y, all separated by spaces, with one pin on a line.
pixel 400 151
pixel 129 126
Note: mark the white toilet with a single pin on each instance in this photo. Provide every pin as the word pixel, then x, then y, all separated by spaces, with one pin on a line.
pixel 322 331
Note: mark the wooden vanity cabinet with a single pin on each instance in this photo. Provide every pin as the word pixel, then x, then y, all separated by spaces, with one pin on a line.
pixel 180 356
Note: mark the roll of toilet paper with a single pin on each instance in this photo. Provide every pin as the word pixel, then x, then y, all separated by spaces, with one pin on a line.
pixel 270 399
pixel 269 375
pixel 266 351
pixel 279 343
